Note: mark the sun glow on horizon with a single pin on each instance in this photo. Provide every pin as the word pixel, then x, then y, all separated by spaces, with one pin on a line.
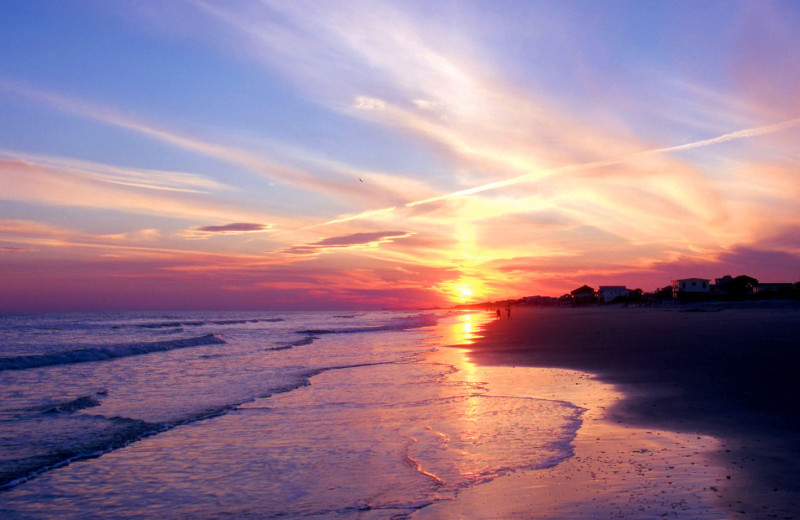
pixel 469 171
pixel 464 289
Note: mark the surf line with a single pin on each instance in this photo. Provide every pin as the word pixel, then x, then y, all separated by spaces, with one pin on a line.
pixel 414 464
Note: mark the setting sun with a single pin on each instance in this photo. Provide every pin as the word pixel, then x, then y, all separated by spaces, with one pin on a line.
pixel 399 258
pixel 470 170
pixel 466 289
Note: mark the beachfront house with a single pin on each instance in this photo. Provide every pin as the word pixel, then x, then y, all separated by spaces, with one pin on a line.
pixel 742 286
pixel 774 290
pixel 609 293
pixel 690 285
pixel 584 294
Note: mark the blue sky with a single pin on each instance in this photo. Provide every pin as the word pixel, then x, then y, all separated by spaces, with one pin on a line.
pixel 391 153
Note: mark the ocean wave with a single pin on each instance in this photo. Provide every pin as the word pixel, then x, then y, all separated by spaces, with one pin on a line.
pixel 404 323
pixel 282 347
pixel 84 355
pixel 350 330
pixel 85 436
pixel 177 324
pixel 40 455
pixel 308 340
pixel 164 325
pixel 80 403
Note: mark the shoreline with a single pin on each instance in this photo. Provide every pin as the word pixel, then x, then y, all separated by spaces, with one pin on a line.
pixel 727 375
pixel 615 471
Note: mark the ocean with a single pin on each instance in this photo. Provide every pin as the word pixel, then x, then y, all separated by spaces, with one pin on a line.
pixel 261 415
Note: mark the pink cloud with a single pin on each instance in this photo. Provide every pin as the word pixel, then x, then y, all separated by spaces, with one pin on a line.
pixel 16 250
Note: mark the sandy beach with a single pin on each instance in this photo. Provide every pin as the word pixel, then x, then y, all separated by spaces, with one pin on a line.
pixel 692 412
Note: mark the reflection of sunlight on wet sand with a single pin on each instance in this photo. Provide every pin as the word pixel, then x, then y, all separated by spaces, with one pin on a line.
pixel 615 469
pixel 493 428
pixel 461 333
pixel 462 330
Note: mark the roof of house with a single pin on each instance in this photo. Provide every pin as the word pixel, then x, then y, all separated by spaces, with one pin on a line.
pixel 613 288
pixel 582 290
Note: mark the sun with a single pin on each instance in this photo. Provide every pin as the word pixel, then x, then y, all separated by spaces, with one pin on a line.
pixel 463 290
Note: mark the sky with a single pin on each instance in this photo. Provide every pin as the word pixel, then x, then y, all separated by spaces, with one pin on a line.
pixel 245 154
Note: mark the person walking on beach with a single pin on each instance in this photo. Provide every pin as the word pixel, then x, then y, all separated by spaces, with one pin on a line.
pixel 508 312
pixel 498 313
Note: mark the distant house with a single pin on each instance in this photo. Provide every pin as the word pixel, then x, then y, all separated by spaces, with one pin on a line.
pixel 720 283
pixel 774 290
pixel 609 293
pixel 663 293
pixel 742 286
pixel 539 300
pixel 690 285
pixel 584 294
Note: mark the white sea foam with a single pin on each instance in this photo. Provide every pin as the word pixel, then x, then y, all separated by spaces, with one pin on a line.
pixel 353 421
pixel 87 354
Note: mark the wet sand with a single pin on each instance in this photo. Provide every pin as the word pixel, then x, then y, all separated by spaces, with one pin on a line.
pixel 705 423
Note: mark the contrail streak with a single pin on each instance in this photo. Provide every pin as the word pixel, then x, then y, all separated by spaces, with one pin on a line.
pixel 740 134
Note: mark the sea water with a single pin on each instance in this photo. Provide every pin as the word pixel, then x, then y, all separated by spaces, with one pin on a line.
pixel 255 415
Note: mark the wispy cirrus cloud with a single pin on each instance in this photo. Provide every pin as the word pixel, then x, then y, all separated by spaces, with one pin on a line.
pixel 133 177
pixel 509 149
pixel 640 195
pixel 143 245
pixel 331 181
pixel 89 185
pixel 513 151
pixel 446 98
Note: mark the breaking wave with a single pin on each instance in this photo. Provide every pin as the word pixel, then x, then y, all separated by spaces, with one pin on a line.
pixel 195 323
pixel 84 355
pixel 83 436
pixel 80 403
pixel 404 323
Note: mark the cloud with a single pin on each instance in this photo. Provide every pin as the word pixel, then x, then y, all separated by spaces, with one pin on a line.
pixel 28 228
pixel 141 235
pixel 503 178
pixel 783 238
pixel 425 105
pixel 123 176
pixel 369 103
pixel 235 228
pixel 16 250
pixel 494 131
pixel 78 184
pixel 331 182
pixel 731 136
pixel 766 265
pixel 500 142
pixel 346 241
pixel 135 246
